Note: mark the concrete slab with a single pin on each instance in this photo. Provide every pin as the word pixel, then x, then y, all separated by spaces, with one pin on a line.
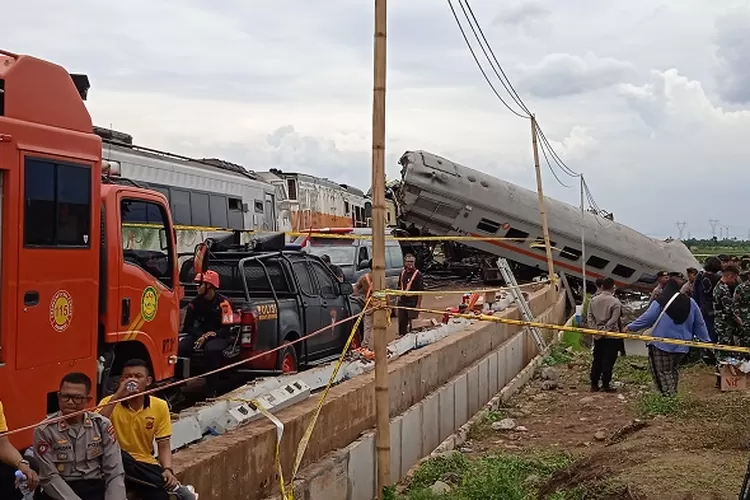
pixel 472 388
pixel 492 373
pixel 361 468
pixel 396 426
pixel 447 410
pixel 484 382
pixel 411 438
pixel 502 367
pixel 461 401
pixel 329 478
pixel 430 423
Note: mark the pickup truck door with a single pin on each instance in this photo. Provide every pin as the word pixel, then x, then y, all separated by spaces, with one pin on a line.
pixel 334 306
pixel 312 307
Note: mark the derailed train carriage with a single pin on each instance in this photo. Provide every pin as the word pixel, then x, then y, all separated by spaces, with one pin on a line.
pixel 440 197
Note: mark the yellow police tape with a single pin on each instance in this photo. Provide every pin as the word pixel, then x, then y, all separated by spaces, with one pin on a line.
pixel 585 331
pixel 451 292
pixel 330 236
pixel 302 446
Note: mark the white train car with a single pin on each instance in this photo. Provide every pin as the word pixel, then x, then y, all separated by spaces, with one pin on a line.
pixel 441 197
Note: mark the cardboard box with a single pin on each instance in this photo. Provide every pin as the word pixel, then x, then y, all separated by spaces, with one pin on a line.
pixel 733 379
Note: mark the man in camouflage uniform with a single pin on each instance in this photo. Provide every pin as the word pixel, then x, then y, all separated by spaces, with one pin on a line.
pixel 726 324
pixel 741 308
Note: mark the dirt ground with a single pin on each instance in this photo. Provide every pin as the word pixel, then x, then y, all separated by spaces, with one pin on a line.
pixel 631 444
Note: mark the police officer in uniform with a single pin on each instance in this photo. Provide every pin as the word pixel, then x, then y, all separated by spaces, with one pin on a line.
pixel 204 329
pixel 79 457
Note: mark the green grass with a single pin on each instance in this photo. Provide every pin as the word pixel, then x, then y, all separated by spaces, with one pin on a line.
pixel 559 354
pixel 652 404
pixel 498 477
pixel 483 426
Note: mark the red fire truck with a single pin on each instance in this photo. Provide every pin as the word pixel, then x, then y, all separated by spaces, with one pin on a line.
pixel 88 263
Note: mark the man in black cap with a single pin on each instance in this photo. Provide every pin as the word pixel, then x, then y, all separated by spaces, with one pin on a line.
pixel 661 278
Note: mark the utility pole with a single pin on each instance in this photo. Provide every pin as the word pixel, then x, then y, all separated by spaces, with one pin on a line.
pixel 583 243
pixel 714 223
pixel 382 403
pixel 680 227
pixel 542 211
pixel 726 232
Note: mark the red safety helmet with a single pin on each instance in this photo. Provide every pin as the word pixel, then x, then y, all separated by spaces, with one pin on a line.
pixel 210 277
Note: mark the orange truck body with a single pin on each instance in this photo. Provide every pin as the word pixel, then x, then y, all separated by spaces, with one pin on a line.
pixel 70 298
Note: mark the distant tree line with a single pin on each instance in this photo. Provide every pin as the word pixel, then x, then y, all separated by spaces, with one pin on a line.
pixel 715 246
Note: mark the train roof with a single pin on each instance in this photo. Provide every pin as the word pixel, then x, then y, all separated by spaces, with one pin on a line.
pixel 113 139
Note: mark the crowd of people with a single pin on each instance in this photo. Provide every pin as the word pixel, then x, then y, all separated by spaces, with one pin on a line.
pixel 711 305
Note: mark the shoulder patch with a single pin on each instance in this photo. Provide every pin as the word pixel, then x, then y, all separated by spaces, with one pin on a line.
pixel 42 447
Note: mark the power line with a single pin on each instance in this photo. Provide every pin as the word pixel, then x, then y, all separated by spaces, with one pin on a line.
pixel 479 65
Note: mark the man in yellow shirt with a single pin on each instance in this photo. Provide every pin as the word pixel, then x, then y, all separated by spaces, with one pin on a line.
pixel 10 461
pixel 138 422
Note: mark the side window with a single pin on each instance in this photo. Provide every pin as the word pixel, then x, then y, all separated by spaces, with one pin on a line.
pixel 363 254
pixel 218 210
pixel 303 277
pixel 57 200
pixel 199 209
pixel 146 239
pixel 328 285
pixel 394 258
pixel 180 201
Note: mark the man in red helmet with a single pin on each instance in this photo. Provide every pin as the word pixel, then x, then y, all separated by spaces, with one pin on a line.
pixel 203 330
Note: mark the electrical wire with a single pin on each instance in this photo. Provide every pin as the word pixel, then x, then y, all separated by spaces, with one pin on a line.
pixel 549 165
pixel 479 65
pixel 499 72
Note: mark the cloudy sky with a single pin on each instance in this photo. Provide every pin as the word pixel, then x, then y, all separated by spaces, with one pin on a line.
pixel 650 100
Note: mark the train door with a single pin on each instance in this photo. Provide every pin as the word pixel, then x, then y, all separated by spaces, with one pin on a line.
pixel 57 262
pixel 270 212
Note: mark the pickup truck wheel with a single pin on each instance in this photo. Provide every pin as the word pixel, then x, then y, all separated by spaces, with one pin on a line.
pixel 288 359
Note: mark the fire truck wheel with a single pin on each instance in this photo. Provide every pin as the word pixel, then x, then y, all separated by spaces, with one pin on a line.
pixel 287 359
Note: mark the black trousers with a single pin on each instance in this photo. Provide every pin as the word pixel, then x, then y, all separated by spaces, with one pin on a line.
pixel 8 483
pixel 605 356
pixel 212 354
pixel 86 489
pixel 144 479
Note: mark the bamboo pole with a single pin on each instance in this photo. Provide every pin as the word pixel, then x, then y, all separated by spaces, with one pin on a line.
pixel 382 403
pixel 542 211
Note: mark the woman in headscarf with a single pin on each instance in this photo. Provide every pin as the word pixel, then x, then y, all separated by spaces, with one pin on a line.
pixel 682 320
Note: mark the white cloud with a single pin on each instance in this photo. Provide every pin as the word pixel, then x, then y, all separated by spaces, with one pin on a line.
pixel 289 83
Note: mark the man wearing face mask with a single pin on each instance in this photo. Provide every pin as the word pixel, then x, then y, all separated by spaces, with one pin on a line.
pixel 79 457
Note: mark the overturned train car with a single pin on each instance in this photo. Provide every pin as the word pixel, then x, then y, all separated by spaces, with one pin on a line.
pixel 440 197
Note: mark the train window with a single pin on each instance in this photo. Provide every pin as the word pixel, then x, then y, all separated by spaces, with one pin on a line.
pixel 539 244
pixel 347 210
pixel 218 210
pixel 624 271
pixel 258 206
pixel 291 186
pixel 235 204
pixel 145 238
pixel 57 204
pixel 199 209
pixel 180 203
pixel 570 253
pixel 488 226
pixel 516 234
pixel 597 262
pixel 647 278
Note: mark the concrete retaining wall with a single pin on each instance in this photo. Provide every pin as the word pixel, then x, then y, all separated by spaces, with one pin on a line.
pixel 240 464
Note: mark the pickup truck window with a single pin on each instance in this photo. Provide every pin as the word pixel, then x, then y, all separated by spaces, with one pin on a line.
pixel 145 238
pixel 57 204
pixel 303 276
pixel 328 285
pixel 258 281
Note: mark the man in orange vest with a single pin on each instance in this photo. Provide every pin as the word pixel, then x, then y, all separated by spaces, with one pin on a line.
pixel 410 280
pixel 363 287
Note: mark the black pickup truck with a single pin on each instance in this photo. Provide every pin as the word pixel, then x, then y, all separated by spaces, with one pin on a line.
pixel 280 294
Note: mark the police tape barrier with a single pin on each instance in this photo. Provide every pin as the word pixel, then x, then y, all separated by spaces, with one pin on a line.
pixel 456 292
pixel 184 381
pixel 585 331
pixel 330 236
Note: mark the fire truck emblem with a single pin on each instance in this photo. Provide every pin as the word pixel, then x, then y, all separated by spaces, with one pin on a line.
pixel 61 310
pixel 149 303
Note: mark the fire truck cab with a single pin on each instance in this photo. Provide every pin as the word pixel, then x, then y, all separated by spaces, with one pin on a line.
pixel 88 264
